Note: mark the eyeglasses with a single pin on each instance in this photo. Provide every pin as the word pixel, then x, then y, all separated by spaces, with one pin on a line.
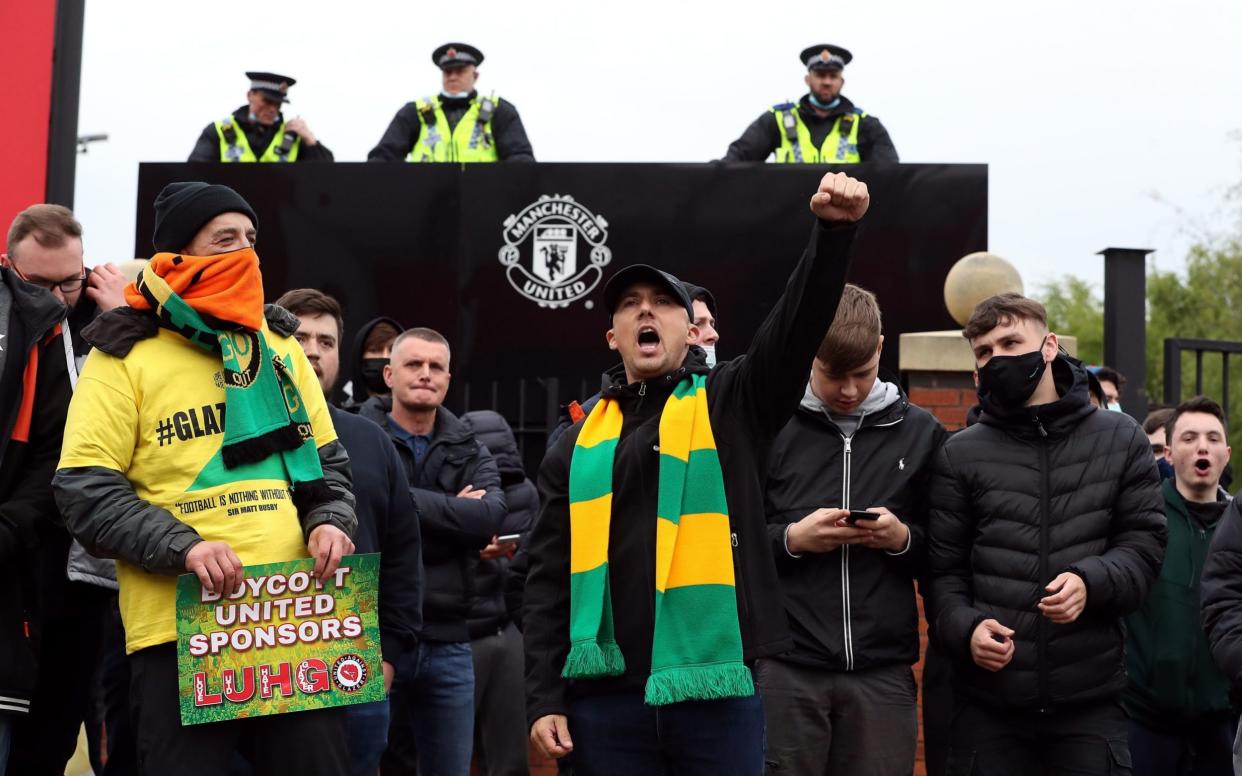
pixel 68 285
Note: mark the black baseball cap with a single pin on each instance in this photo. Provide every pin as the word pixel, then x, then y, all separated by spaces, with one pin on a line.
pixel 636 273
pixel 701 294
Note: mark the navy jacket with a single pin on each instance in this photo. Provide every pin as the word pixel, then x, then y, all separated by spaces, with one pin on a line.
pixel 387 524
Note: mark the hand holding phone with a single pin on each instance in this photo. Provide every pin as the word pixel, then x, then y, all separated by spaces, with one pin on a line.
pixel 860 514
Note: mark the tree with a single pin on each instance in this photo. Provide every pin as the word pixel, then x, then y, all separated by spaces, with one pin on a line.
pixel 1201 303
pixel 1074 309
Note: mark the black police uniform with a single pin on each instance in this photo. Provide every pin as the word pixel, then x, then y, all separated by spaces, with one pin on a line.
pixel 508 133
pixel 763 136
pixel 207 149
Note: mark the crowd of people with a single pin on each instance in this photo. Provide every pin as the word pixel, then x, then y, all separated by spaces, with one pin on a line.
pixel 462 124
pixel 718 570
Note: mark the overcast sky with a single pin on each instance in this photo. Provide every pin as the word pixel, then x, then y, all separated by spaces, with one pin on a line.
pixel 1103 122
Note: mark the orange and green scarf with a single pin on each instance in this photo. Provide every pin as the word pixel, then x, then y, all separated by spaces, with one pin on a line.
pixel 216 302
pixel 696 652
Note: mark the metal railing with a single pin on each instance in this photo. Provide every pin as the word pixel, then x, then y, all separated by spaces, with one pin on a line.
pixel 1174 347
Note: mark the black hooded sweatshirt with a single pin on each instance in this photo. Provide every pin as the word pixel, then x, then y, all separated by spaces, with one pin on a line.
pixel 358 385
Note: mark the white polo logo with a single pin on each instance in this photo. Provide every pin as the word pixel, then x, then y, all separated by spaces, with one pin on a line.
pixel 551 274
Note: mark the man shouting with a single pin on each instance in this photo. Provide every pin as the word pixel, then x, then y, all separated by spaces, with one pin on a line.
pixel 652 587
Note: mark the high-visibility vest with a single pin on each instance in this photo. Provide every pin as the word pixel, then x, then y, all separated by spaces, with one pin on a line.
pixel 840 147
pixel 234 147
pixel 469 141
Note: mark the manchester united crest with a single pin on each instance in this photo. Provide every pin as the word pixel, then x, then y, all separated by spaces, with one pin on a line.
pixel 554 251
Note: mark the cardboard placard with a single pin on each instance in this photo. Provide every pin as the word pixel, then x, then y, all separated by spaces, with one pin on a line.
pixel 282 642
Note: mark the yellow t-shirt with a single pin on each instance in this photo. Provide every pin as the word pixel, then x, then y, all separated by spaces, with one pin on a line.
pixel 157 416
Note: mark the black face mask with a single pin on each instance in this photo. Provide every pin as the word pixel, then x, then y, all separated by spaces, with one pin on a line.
pixel 373 375
pixel 1008 381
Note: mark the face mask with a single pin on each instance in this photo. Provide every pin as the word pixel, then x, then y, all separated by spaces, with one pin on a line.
pixel 455 95
pixel 1010 380
pixel 373 375
pixel 1114 406
pixel 824 105
pixel 710 350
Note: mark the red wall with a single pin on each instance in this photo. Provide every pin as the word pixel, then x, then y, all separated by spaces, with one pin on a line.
pixel 25 103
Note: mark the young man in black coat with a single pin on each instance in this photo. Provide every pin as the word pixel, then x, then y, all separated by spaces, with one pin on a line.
pixel 34 397
pixel 1047 527
pixel 604 721
pixel 844 700
pixel 387 517
pixel 500 747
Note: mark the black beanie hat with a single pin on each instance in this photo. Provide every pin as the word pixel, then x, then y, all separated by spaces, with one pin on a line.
pixel 181 209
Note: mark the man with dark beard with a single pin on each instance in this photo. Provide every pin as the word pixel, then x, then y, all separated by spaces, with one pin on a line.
pixel 823 127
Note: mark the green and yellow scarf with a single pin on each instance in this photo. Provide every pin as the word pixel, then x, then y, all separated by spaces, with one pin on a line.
pixel 216 302
pixel 696 653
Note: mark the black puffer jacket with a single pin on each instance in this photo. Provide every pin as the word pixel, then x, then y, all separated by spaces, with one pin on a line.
pixel 490 606
pixel 453 529
pixel 1220 591
pixel 1021 497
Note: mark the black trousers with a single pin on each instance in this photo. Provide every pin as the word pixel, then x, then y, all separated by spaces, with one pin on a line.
pixel 304 743
pixel 1083 740
pixel 44 740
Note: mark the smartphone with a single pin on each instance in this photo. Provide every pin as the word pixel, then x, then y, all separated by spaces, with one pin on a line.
pixel 508 538
pixel 858 514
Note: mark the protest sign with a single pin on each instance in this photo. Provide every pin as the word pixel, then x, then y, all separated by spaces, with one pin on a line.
pixel 281 642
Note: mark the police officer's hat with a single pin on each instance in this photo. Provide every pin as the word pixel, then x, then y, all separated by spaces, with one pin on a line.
pixel 452 55
pixel 825 56
pixel 273 86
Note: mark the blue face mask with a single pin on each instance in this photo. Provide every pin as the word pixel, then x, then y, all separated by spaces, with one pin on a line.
pixel 824 105
pixel 454 95
pixel 710 350
pixel 1113 407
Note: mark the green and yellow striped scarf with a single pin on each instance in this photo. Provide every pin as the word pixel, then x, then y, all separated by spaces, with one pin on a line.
pixel 696 653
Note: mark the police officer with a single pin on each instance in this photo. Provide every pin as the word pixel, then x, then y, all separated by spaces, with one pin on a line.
pixel 258 131
pixel 458 125
pixel 821 128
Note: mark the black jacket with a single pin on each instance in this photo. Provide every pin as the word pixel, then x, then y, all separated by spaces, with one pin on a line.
pixel 853 608
pixel 1021 497
pixel 496 596
pixel 402 132
pixel 453 529
pixel 750 400
pixel 1220 591
pixel 358 391
pixel 387 524
pixel 207 148
pixel 33 541
pixel 763 136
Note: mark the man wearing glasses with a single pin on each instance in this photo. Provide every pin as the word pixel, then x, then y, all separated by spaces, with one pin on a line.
pixel 76 592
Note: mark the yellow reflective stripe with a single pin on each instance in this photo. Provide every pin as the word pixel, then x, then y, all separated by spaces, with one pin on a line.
pixel 588 531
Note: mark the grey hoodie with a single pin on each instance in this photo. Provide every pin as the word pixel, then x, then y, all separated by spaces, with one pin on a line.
pixel 882 395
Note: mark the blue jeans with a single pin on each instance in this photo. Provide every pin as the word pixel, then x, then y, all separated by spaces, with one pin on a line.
pixel 436 684
pixel 1207 750
pixel 620 735
pixel 367 724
